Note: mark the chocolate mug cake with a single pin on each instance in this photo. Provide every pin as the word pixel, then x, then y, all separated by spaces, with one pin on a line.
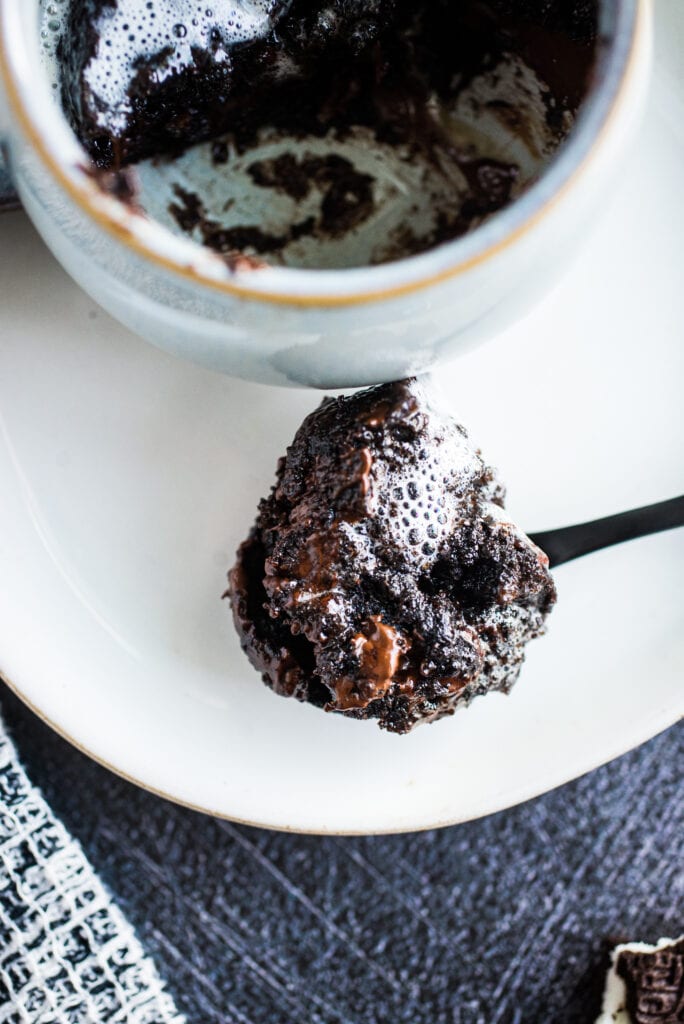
pixel 339 133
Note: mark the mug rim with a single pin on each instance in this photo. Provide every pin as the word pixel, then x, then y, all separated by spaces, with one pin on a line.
pixel 51 136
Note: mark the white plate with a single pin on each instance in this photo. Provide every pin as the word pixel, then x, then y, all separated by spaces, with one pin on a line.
pixel 128 479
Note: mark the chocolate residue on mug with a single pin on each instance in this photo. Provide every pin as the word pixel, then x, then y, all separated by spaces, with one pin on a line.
pixel 346 201
pixel 346 193
pixel 426 82
pixel 121 185
pixel 190 215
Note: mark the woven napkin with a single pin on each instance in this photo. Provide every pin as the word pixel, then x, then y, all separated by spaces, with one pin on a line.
pixel 67 954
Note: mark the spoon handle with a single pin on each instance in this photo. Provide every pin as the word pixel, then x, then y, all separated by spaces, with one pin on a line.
pixel 569 542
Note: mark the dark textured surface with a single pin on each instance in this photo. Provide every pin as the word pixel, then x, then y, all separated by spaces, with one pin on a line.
pixel 500 921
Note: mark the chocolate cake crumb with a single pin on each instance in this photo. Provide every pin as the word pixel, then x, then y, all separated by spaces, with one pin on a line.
pixel 382 579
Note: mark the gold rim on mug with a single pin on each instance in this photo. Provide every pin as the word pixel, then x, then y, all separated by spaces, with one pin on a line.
pixel 87 196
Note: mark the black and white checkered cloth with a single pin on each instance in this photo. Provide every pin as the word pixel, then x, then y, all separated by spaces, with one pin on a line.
pixel 67 954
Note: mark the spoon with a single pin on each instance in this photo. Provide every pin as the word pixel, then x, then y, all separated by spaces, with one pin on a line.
pixel 568 542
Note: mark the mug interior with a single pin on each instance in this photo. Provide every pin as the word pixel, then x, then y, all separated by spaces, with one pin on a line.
pixel 354 155
pixel 582 92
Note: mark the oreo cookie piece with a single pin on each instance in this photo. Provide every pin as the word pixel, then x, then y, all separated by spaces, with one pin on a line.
pixel 645 984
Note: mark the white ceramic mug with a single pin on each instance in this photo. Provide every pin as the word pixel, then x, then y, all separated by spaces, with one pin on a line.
pixel 325 328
